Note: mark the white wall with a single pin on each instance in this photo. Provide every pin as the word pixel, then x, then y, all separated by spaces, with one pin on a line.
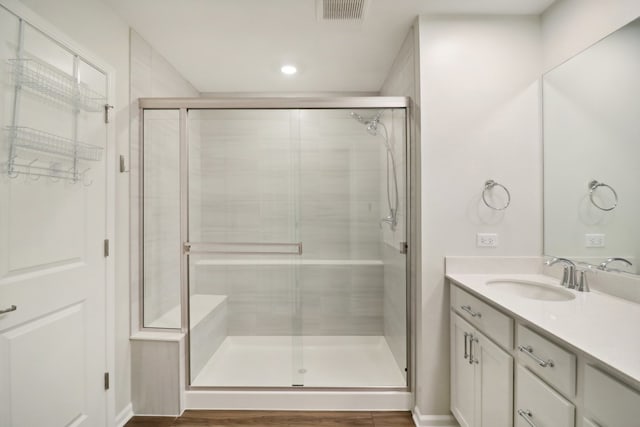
pixel 569 26
pixel 479 106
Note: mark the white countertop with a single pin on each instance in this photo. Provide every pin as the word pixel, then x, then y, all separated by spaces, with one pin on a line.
pixel 606 328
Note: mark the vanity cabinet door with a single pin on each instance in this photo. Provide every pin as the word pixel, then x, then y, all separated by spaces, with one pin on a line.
pixel 601 409
pixel 462 373
pixel 481 378
pixel 494 377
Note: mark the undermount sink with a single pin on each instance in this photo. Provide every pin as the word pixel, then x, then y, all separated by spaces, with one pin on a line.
pixel 531 290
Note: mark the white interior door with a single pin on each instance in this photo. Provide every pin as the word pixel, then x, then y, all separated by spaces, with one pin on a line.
pixel 52 265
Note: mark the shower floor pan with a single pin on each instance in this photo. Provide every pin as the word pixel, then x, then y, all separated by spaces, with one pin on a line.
pixel 309 361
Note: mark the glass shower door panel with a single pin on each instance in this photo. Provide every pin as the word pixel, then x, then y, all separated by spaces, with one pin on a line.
pixel 243 247
pixel 353 273
pixel 161 219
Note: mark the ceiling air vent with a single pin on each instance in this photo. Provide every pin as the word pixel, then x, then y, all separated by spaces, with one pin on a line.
pixel 341 10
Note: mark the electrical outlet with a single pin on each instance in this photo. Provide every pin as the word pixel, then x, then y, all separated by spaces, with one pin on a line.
pixel 486 240
pixel 594 240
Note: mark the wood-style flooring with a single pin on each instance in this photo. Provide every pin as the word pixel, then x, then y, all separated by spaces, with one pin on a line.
pixel 277 418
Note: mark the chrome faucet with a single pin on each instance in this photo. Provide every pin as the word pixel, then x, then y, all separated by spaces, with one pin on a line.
pixel 569 273
pixel 603 266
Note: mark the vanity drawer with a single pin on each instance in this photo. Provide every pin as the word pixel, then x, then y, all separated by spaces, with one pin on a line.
pixel 538 404
pixel 549 361
pixel 623 410
pixel 492 322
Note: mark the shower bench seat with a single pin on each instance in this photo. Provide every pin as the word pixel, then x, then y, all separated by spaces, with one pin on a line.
pixel 207 324
pixel 200 307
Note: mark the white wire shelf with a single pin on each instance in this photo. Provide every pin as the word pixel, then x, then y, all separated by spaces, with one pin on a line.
pixel 55 84
pixel 36 140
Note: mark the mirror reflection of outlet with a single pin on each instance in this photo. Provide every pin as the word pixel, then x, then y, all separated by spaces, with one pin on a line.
pixel 486 240
pixel 594 240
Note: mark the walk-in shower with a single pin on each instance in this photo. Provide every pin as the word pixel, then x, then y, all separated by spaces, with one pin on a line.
pixel 275 234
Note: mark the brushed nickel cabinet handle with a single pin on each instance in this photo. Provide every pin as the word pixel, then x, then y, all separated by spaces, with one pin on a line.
pixel 468 309
pixel 466 353
pixel 9 310
pixel 528 350
pixel 472 339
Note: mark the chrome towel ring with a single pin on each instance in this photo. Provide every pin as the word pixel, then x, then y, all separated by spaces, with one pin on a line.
pixel 593 186
pixel 488 185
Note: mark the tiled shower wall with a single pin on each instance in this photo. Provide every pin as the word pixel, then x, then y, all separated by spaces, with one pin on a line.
pixel 288 176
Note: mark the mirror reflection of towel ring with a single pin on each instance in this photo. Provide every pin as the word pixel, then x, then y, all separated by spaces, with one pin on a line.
pixel 593 186
pixel 488 185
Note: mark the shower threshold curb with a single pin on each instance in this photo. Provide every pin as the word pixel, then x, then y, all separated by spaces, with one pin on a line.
pixel 300 400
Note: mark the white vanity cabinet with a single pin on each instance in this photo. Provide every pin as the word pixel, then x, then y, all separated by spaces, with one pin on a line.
pixel 575 363
pixel 481 376
pixel 507 371
pixel 601 409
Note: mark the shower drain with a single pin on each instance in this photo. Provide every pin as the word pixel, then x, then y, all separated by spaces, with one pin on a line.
pixel 302 371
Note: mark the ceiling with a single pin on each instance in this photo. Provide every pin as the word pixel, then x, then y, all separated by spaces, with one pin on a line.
pixel 239 45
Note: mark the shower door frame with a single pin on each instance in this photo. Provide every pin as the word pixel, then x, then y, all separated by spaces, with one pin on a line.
pixel 182 105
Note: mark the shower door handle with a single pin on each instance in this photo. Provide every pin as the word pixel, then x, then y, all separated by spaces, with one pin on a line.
pixel 243 248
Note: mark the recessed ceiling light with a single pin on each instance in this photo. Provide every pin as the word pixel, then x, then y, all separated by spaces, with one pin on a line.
pixel 288 70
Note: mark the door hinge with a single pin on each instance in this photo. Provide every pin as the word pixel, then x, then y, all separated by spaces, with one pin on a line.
pixel 107 107
pixel 123 167
pixel 106 380
pixel 404 247
pixel 106 247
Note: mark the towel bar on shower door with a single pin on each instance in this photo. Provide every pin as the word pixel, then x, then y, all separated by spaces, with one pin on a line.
pixel 238 248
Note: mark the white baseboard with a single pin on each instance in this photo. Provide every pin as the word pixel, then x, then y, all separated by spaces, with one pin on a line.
pixel 124 416
pixel 433 420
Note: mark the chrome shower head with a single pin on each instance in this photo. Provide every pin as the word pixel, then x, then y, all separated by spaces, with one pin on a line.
pixel 371 123
pixel 372 127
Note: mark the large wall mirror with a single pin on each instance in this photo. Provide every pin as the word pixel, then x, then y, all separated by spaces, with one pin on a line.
pixel 591 110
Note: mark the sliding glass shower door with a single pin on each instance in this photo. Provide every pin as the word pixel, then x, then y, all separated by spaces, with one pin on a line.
pixel 244 248
pixel 292 248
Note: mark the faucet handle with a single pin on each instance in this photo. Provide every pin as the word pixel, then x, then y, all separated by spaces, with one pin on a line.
pixel 583 286
pixel 565 276
pixel 603 266
pixel 569 277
